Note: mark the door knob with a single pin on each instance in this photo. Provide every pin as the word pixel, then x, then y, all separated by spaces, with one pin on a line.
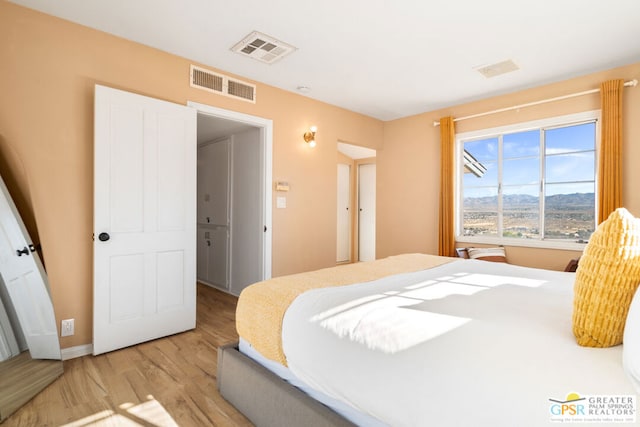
pixel 23 251
pixel 103 237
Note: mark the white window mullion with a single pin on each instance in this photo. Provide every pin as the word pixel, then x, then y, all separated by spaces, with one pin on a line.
pixel 543 161
pixel 500 187
pixel 596 168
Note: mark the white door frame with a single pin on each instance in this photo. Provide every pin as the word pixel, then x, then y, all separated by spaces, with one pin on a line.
pixel 342 192
pixel 266 135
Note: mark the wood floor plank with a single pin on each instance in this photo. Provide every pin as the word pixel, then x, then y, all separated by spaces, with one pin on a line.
pixel 165 382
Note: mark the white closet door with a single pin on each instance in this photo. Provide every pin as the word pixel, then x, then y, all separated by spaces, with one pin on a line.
pixel 247 223
pixel 213 182
pixel 213 256
pixel 144 219
pixel 219 257
pixel 343 250
pixel 367 212
pixel 204 241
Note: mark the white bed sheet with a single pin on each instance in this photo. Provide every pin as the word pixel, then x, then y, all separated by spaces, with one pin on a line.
pixel 469 343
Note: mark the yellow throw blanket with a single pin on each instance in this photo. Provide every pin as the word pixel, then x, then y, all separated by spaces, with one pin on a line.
pixel 261 306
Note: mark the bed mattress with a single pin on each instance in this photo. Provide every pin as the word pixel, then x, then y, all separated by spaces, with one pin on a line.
pixel 464 343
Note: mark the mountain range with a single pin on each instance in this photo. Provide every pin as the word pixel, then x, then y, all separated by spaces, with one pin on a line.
pixel 562 202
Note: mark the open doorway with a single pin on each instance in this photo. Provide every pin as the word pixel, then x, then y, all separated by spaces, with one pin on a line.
pixel 233 198
pixel 356 215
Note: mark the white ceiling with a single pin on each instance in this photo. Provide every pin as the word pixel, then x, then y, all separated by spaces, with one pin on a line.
pixel 356 152
pixel 383 58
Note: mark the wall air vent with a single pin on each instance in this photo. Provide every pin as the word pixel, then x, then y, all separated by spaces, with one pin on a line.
pixel 241 90
pixel 206 79
pixel 263 48
pixel 223 85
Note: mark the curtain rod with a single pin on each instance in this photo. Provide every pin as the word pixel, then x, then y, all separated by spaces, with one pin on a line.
pixel 631 83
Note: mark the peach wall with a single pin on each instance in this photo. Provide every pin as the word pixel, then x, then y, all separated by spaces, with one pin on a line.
pixel 48 69
pixel 407 203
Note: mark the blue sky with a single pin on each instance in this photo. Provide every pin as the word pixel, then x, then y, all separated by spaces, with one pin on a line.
pixel 566 162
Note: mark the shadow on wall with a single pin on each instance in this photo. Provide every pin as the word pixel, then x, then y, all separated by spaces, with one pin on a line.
pixel 15 177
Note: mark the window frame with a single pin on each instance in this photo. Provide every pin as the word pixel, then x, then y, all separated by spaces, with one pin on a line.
pixel 551 122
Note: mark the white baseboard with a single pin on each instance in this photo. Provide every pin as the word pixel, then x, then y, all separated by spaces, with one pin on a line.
pixel 77 351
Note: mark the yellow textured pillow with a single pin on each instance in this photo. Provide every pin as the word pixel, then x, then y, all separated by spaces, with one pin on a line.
pixel 606 279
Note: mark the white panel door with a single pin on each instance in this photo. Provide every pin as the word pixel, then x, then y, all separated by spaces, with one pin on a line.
pixel 214 183
pixel 204 175
pixel 247 224
pixel 144 219
pixel 219 257
pixel 213 256
pixel 367 212
pixel 26 282
pixel 202 257
pixel 344 215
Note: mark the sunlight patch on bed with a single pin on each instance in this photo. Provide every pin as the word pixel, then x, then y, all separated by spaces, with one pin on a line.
pixel 421 284
pixel 390 326
pixel 393 321
pixel 345 307
pixel 390 323
pixel 441 290
pixel 493 280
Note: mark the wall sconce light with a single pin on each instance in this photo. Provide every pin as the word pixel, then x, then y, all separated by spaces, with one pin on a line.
pixel 310 137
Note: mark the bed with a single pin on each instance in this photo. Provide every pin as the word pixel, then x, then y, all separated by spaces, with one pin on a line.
pixel 414 340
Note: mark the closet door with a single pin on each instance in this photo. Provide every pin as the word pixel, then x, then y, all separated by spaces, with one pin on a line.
pixel 344 215
pixel 202 250
pixel 367 212
pixel 219 257
pixel 213 183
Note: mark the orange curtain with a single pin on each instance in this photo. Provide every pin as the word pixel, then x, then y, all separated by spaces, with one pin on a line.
pixel 610 157
pixel 446 234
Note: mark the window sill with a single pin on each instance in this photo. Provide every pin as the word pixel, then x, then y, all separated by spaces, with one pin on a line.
pixel 528 243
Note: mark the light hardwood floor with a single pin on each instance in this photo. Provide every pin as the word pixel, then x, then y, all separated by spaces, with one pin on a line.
pixel 166 382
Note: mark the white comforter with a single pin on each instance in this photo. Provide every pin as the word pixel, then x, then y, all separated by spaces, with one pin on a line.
pixel 469 343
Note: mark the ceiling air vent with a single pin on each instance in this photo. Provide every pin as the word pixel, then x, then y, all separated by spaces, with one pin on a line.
pixel 221 84
pixel 262 47
pixel 497 69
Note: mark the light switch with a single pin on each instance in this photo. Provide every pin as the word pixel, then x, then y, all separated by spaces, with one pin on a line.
pixel 281 202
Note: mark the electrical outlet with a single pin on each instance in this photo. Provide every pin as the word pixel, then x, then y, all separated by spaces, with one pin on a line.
pixel 67 328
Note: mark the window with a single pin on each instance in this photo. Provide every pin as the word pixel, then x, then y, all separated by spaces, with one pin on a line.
pixel 529 183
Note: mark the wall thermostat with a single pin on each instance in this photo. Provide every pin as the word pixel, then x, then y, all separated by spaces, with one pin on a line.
pixel 282 186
